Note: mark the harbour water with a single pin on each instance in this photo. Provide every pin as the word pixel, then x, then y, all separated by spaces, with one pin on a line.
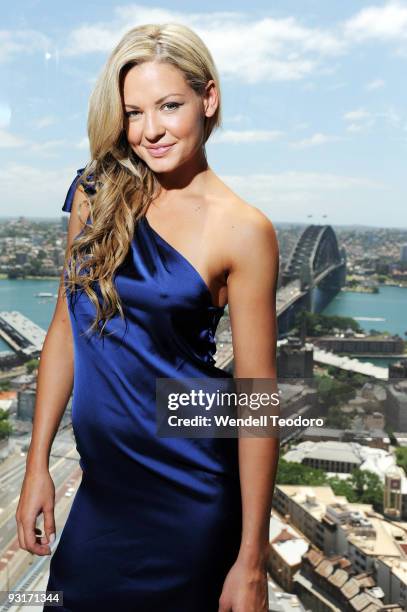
pixel 383 311
pixel 19 294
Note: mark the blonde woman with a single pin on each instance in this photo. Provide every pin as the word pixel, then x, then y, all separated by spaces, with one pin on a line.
pixel 157 246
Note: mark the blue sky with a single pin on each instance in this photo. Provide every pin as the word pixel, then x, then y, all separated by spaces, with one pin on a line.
pixel 314 101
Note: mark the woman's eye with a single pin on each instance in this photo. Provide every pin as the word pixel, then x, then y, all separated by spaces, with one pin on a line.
pixel 172 105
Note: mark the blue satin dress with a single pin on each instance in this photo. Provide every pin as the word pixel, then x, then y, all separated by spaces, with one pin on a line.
pixel 156 522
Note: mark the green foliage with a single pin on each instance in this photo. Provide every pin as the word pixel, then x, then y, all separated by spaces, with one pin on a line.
pixel 290 472
pixel 332 392
pixel 321 325
pixel 337 419
pixel 390 432
pixel 3 414
pixel 5 427
pixel 401 457
pixel 376 332
pixel 343 487
pixel 352 378
pixel 32 365
pixel 368 488
pixel 361 486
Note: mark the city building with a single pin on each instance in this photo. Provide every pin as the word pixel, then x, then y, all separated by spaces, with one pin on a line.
pixel 339 529
pixel 287 546
pixel 396 405
pixel 368 345
pixel 305 507
pixel 280 601
pixel 398 369
pixel 336 580
pixel 341 457
pixel 392 577
pixel 395 485
pixel 295 359
pixel 375 438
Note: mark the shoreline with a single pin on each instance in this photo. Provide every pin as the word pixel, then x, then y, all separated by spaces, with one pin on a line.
pixel 30 277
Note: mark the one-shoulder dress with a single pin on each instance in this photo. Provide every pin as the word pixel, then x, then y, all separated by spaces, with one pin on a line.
pixel 155 524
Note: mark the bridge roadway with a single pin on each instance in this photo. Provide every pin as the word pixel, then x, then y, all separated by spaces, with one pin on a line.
pixel 288 295
pixel 291 292
pixel 321 275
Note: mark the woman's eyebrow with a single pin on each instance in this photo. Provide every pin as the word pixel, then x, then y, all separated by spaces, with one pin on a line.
pixel 157 101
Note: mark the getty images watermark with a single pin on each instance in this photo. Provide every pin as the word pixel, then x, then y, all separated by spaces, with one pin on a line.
pixel 232 407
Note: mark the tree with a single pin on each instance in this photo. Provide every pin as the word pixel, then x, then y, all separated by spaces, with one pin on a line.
pixel 5 427
pixel 332 392
pixel 360 486
pixel 401 457
pixel 368 488
pixel 321 325
pixel 338 419
pixel 341 486
pixel 290 472
pixel 32 365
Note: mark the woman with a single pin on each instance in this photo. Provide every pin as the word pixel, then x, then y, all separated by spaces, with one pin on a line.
pixel 157 246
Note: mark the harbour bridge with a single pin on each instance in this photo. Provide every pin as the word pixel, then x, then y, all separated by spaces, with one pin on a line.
pixel 312 276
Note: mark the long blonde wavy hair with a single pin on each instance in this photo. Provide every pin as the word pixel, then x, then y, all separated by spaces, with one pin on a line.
pixel 121 184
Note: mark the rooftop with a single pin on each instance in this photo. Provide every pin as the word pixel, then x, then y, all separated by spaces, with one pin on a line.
pixel 289 543
pixel 375 460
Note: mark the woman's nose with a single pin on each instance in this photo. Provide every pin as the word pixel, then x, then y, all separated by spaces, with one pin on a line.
pixel 153 126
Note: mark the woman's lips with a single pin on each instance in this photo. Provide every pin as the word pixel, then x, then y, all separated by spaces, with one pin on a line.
pixel 158 152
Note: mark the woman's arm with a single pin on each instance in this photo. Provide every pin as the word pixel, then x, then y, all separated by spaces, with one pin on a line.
pixel 252 284
pixel 54 387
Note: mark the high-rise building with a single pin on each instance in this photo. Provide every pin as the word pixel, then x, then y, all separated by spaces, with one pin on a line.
pixel 393 496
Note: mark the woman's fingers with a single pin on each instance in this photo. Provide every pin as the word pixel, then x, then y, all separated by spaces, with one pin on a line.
pixel 31 543
pixel 37 497
pixel 41 539
pixel 49 525
pixel 20 532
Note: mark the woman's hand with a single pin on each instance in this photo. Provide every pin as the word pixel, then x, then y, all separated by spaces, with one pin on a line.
pixel 245 588
pixel 37 495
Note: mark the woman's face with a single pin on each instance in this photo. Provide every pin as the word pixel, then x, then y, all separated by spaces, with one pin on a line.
pixel 162 109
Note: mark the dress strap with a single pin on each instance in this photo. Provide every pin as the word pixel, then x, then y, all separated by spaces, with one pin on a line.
pixel 67 206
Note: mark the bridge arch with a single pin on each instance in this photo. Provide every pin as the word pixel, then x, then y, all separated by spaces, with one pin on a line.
pixel 316 250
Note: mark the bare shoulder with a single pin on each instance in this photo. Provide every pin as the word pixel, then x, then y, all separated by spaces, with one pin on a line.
pixel 248 233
